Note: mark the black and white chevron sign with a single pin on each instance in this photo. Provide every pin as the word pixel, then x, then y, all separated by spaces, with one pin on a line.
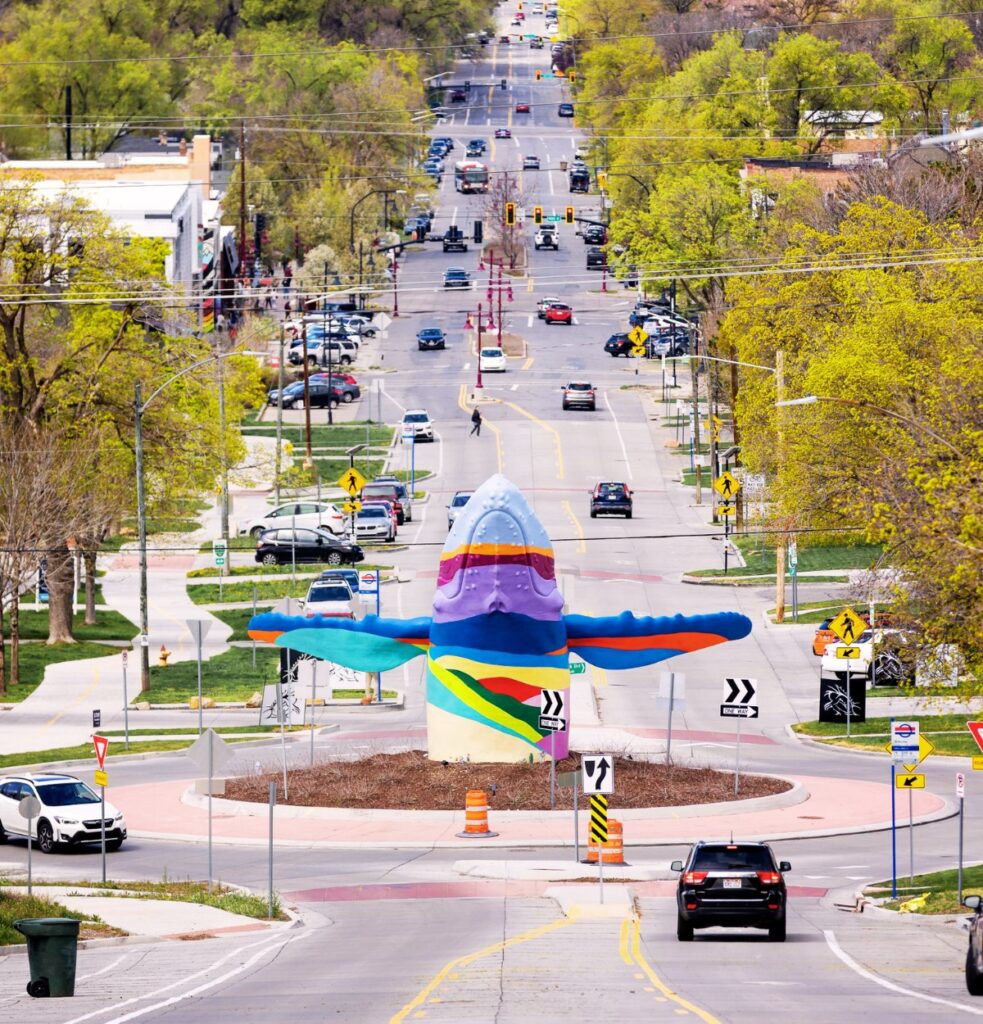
pixel 551 716
pixel 738 694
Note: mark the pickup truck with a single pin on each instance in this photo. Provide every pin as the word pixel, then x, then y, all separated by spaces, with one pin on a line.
pixel 546 238
pixel 454 240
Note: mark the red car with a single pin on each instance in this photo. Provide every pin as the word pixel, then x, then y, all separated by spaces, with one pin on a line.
pixel 503 133
pixel 558 313
pixel 337 377
pixel 522 108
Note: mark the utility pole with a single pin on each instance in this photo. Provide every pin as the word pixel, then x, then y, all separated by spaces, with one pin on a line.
pixel 309 459
pixel 780 546
pixel 141 538
pixel 278 456
pixel 694 366
pixel 242 200
pixel 500 305
pixel 68 122
pixel 324 307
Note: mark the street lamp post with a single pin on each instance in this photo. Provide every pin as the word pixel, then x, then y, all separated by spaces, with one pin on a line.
pixel 386 192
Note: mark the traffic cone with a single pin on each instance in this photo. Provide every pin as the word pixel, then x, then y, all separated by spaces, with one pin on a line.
pixel 468 325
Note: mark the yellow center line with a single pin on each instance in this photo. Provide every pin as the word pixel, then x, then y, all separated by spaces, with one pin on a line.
pixel 548 429
pixel 528 363
pixel 581 546
pixel 529 284
pixel 623 942
pixel 685 1005
pixel 469 958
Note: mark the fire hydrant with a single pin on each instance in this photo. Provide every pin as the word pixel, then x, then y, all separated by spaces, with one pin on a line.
pixel 163 656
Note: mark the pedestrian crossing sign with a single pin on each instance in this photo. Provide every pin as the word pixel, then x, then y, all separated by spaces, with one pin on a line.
pixel 352 481
pixel 848 626
pixel 727 485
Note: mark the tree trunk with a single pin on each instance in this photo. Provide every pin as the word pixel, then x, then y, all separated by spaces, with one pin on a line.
pixel 90 587
pixel 3 648
pixel 61 578
pixel 15 642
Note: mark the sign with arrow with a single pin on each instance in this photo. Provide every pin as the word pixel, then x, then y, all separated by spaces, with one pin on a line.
pixel 551 717
pixel 597 772
pixel 909 781
pixel 577 668
pixel 908 747
pixel 738 694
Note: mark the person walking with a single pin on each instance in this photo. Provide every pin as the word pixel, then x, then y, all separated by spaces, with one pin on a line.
pixel 475 422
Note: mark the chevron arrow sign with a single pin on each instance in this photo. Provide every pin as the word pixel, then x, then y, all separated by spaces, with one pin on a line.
pixel 738 694
pixel 551 716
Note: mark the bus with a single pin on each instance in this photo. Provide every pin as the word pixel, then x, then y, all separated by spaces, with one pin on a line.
pixel 470 176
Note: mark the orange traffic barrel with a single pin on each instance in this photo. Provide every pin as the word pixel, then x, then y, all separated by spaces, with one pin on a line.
pixel 612 850
pixel 476 816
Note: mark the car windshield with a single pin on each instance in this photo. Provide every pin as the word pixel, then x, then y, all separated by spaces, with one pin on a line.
pixel 416 417
pixel 733 858
pixel 373 512
pixel 493 352
pixel 579 387
pixel 609 490
pixel 61 794
pixel 459 499
pixel 329 593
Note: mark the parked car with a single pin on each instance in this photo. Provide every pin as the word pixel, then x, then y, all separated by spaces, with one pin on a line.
pixel 430 337
pixel 372 522
pixel 530 162
pixel 559 313
pixel 974 954
pixel 296 513
pixel 331 599
pixel 419 421
pixel 544 303
pixel 579 394
pixel 611 498
pixel 492 360
pixel 458 502
pixel 824 635
pixel 338 377
pixel 736 885
pixel 885 657
pixel 446 141
pixel 350 576
pixel 618 345
pixel 70 812
pixel 522 108
pixel 284 545
pixel 565 110
pixel 321 396
pixel 390 492
pixel 503 133
pixel 456 277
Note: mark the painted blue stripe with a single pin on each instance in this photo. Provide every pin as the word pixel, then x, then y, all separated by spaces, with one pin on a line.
pixel 501 631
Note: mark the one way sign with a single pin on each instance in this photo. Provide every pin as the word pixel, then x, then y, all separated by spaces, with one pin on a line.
pixel 551 717
pixel 597 772
pixel 738 694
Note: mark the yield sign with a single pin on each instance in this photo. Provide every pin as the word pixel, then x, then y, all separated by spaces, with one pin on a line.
pixel 100 743
pixel 976 728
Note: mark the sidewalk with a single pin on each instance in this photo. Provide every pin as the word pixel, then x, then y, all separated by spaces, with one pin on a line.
pixel 817 807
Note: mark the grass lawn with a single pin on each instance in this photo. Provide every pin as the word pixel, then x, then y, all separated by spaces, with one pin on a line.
pixel 226 677
pixel 84 750
pixel 266 590
pixel 761 559
pixel 256 569
pixel 238 619
pixel 34 658
pixel 15 906
pixel 340 435
pixel 941 887
pixel 110 626
pixel 947 732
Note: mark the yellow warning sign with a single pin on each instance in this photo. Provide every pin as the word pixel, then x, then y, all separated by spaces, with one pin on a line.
pixel 727 485
pixel 351 507
pixel 925 748
pixel 352 481
pixel 848 652
pixel 848 626
pixel 102 779
pixel 978 764
pixel 909 781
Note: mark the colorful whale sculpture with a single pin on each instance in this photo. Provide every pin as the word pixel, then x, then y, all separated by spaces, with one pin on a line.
pixel 498 635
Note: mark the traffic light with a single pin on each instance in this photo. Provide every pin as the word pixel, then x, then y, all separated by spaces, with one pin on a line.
pixel 602 179
pixel 510 214
pixel 568 214
pixel 537 214
pixel 572 75
pixel 504 82
pixel 539 75
pixel 479 231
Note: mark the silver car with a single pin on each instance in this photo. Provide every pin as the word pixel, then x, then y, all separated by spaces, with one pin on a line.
pixel 458 502
pixel 373 522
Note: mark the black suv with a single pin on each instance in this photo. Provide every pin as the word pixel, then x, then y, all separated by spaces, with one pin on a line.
pixel 618 345
pixel 611 498
pixel 974 955
pixel 597 258
pixel 736 885
pixel 285 545
pixel 594 234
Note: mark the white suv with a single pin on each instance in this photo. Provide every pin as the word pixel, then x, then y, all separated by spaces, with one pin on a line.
pixel 69 812
pixel 418 420
pixel 296 513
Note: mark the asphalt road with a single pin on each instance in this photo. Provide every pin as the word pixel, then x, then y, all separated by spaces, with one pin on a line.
pixel 396 948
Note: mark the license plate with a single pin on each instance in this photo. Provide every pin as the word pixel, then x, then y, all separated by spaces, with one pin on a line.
pixel 732 883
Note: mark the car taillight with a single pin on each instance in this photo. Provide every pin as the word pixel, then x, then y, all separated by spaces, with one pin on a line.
pixel 769 877
pixel 695 877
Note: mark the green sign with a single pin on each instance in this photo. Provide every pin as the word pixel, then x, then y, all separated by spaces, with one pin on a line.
pixel 577 668
pixel 555 218
pixel 218 550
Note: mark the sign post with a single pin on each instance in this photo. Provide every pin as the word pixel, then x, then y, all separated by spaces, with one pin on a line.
pixel 30 808
pixel 126 706
pixel 738 694
pixel 210 753
pixel 552 720
pixel 220 554
pixel 961 796
pixel 101 743
pixel 597 772
pixel 199 630
pixel 572 779
pixel 907 748
pixel 672 697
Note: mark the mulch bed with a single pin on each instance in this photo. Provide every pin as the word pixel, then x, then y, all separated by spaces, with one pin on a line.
pixel 409 781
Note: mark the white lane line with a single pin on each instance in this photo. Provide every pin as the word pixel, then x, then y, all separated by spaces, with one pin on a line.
pixel 549 178
pixel 884 983
pixel 402 408
pixel 467 116
pixel 265 947
pixel 529 320
pixel 102 970
pixel 617 430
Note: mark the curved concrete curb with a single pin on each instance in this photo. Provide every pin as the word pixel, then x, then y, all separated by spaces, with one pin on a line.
pixel 795 795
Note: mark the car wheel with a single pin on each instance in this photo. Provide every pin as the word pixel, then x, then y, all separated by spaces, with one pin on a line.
pixel 684 930
pixel 334 403
pixel 112 845
pixel 614 355
pixel 3 835
pixel 46 837
pixel 565 406
pixel 346 360
pixel 312 361
pixel 974 980
pixel 627 515
pixel 368 334
pixel 270 559
pixel 776 933
pixel 255 532
pixel 593 514
pixel 334 558
pixel 347 397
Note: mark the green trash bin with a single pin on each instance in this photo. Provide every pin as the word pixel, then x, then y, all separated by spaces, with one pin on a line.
pixel 52 947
